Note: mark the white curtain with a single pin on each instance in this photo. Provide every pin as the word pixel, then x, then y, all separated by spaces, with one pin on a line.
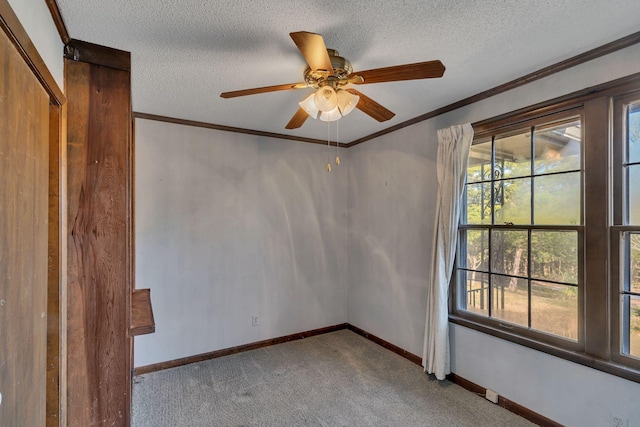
pixel 454 144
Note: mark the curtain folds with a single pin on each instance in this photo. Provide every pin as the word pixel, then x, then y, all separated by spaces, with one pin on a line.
pixel 454 144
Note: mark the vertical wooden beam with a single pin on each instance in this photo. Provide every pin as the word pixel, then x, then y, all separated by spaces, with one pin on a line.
pixel 99 248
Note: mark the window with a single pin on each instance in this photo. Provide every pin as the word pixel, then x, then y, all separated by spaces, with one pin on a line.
pixel 549 235
pixel 626 229
pixel 521 228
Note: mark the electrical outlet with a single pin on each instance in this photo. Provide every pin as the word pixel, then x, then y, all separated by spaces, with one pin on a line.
pixel 491 396
pixel 618 421
pixel 254 320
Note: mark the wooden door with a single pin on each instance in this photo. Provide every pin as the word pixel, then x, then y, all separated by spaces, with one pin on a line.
pixel 24 185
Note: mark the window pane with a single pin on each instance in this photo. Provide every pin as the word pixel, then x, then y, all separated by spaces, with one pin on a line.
pixel 513 156
pixel 558 148
pixel 476 245
pixel 515 182
pixel 479 168
pixel 509 252
pixel 513 201
pixel 478 209
pixel 633 191
pixel 554 309
pixel 632 308
pixel 557 199
pixel 510 299
pixel 554 256
pixel 477 291
pixel 634 261
pixel 633 121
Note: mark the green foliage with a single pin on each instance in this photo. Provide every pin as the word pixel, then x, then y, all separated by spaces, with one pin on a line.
pixel 503 191
pixel 635 318
pixel 570 292
pixel 557 201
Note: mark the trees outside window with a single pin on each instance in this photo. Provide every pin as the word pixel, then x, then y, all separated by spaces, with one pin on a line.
pixel 549 236
pixel 519 232
pixel 626 228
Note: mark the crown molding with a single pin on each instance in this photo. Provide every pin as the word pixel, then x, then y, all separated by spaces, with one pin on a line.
pixel 193 123
pixel 57 19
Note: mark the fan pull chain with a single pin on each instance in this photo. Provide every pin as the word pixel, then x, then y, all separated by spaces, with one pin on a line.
pixel 328 148
pixel 337 143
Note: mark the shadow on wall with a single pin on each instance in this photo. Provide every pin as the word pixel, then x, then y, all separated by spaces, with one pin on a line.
pixel 228 227
pixel 391 214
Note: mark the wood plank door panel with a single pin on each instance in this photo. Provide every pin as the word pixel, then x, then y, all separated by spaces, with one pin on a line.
pixel 24 167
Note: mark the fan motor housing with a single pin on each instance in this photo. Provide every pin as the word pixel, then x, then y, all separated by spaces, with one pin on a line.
pixel 341 70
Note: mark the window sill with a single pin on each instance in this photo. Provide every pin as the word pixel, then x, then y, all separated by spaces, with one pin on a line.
pixel 607 366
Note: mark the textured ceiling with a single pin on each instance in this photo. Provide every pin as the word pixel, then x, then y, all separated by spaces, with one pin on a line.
pixel 185 53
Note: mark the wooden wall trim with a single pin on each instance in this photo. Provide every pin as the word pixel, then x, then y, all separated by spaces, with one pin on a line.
pixel 233 350
pixel 509 405
pixel 81 51
pixel 255 345
pixel 464 383
pixel 57 19
pixel 404 353
pixel 569 101
pixel 15 31
pixel 562 103
pixel 205 125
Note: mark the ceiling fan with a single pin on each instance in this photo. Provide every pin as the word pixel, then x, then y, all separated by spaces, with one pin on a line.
pixel 329 73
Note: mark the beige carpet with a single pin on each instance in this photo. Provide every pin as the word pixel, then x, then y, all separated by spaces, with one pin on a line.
pixel 335 379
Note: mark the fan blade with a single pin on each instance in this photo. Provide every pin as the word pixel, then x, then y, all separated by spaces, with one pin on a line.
pixel 371 107
pixel 297 120
pixel 263 90
pixel 312 47
pixel 419 70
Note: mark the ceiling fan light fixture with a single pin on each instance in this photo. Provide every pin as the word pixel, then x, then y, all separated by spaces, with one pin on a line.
pixel 328 72
pixel 325 98
pixel 330 116
pixel 309 106
pixel 347 101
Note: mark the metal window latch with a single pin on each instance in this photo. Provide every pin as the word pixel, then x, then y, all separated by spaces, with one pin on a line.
pixel 508 223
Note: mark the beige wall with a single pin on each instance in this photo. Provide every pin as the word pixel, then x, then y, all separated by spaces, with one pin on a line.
pixel 392 186
pixel 231 226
